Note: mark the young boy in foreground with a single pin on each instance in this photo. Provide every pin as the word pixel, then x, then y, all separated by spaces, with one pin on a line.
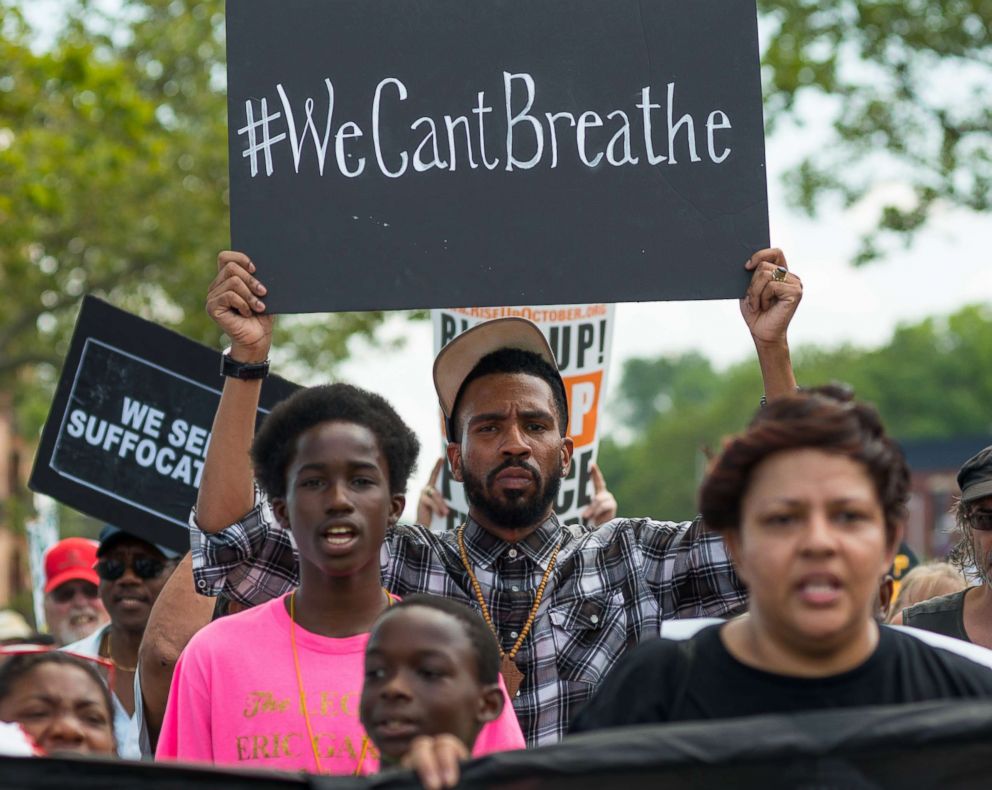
pixel 278 686
pixel 431 684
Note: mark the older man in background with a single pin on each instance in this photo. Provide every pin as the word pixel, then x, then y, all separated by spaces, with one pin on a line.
pixel 967 614
pixel 73 609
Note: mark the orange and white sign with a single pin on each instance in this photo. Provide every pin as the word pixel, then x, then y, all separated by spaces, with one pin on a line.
pixel 581 337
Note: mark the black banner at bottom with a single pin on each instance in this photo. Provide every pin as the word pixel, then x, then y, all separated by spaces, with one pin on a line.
pixel 929 745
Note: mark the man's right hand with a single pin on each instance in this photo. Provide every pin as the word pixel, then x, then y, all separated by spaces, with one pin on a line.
pixel 235 305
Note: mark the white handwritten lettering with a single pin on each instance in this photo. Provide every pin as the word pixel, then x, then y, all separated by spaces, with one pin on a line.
pixel 535 137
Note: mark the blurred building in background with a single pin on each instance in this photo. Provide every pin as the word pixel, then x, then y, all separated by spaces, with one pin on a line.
pixel 15 584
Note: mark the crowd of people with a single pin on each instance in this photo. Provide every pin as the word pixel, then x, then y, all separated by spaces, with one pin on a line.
pixel 310 630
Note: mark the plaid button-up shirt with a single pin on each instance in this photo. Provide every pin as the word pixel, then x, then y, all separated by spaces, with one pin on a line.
pixel 610 588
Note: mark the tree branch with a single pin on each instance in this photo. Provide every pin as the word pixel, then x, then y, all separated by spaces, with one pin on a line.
pixel 64 300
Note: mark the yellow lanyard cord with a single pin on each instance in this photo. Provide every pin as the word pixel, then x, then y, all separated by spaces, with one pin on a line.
pixel 477 589
pixel 303 694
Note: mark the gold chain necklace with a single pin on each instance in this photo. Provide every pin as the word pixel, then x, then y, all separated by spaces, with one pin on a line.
pixel 512 676
pixel 303 693
pixel 110 655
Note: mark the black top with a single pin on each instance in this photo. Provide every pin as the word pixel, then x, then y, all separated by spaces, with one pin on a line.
pixel 942 615
pixel 666 680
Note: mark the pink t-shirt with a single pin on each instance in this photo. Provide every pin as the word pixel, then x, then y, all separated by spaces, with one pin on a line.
pixel 235 699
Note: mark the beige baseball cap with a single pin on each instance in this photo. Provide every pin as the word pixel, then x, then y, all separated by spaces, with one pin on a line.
pixel 457 359
pixel 13 626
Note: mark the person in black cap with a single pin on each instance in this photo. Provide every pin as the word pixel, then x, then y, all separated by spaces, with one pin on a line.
pixel 966 614
pixel 132 573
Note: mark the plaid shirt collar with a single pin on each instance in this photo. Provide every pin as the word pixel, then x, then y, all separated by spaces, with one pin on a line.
pixel 484 548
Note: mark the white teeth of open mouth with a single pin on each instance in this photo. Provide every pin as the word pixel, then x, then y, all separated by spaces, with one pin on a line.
pixel 339 534
pixel 819 587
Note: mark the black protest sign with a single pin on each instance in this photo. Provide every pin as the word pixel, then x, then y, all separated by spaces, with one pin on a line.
pixel 393 155
pixel 127 434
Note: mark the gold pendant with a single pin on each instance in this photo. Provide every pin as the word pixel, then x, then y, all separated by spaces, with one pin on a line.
pixel 512 676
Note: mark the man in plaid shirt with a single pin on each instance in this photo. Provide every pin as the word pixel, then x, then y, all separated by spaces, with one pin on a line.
pixel 604 590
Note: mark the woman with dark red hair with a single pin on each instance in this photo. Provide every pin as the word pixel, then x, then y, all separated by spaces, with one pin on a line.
pixel 810 500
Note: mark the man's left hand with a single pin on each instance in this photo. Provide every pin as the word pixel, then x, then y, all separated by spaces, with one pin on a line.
pixel 772 297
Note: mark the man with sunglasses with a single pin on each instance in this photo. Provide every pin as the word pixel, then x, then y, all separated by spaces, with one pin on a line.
pixel 967 614
pixel 73 609
pixel 132 573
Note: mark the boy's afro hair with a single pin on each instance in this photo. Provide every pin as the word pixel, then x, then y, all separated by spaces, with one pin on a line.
pixel 274 446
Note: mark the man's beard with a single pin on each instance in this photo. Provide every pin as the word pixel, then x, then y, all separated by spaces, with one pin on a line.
pixel 66 631
pixel 518 510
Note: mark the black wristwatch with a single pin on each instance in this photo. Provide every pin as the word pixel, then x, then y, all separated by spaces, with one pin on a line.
pixel 246 371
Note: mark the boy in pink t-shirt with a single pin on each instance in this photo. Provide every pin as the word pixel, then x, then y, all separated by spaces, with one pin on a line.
pixel 278 686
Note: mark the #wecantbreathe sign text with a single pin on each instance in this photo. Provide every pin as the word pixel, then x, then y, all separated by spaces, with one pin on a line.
pixel 628 138
pixel 488 152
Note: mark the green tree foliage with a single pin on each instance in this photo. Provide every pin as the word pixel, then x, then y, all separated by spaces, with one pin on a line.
pixel 672 412
pixel 113 182
pixel 929 381
pixel 911 89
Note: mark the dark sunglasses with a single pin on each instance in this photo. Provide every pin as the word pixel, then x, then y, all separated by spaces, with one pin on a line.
pixel 144 568
pixel 68 591
pixel 981 520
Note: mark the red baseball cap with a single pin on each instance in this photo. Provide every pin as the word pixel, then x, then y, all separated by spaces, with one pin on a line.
pixel 69 559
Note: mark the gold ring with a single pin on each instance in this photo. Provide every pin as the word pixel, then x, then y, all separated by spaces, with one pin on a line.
pixel 430 490
pixel 780 274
